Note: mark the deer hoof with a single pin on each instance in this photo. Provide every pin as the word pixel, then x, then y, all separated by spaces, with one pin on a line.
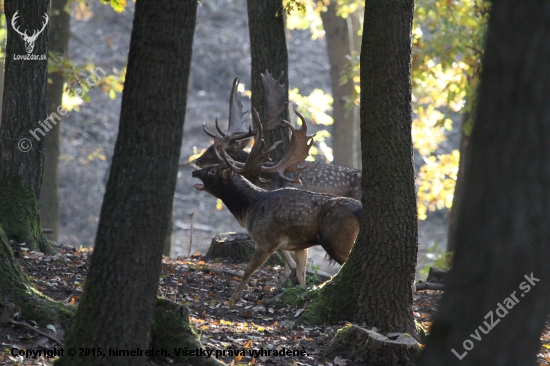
pixel 234 299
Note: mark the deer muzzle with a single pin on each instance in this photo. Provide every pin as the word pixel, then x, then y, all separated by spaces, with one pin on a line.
pixel 197 186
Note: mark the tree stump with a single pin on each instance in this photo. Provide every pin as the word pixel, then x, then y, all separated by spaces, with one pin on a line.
pixel 238 246
pixel 374 349
pixel 436 275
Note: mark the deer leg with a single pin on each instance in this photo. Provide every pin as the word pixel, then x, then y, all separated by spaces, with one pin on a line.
pixel 301 263
pixel 259 258
pixel 289 266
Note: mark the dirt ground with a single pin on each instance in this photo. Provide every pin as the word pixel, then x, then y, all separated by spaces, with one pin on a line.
pixel 220 53
pixel 204 286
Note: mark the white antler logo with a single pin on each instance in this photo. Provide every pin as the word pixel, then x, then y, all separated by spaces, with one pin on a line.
pixel 29 40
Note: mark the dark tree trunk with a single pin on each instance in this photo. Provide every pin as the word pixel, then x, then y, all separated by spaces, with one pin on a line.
pixel 499 280
pixel 116 309
pixel 59 34
pixel 339 46
pixel 268 50
pixel 375 285
pixel 458 193
pixel 21 135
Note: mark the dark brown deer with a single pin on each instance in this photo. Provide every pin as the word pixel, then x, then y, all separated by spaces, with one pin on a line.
pixel 319 177
pixel 285 219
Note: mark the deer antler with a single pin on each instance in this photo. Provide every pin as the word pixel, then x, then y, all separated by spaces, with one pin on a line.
pixel 300 143
pixel 15 27
pixel 251 170
pixel 236 130
pixel 275 99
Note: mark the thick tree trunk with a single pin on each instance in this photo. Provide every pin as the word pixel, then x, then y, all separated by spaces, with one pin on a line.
pixel 497 296
pixel 339 46
pixel 268 51
pixel 375 285
pixel 59 34
pixel 116 308
pixel 21 134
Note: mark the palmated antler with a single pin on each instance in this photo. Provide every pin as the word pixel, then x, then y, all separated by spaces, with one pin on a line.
pixel 275 100
pixel 258 156
pixel 236 127
pixel 298 151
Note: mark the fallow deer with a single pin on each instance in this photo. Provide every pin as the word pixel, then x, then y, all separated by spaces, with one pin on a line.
pixel 319 177
pixel 284 219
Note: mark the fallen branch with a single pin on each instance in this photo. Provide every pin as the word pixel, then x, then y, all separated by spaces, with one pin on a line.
pixel 25 325
pixel 429 286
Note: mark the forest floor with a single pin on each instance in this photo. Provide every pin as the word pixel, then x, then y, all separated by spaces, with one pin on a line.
pixel 204 286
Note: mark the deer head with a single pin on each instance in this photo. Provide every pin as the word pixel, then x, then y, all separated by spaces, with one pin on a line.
pixel 29 40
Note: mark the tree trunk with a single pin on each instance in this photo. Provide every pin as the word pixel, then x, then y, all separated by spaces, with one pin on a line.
pixel 116 308
pixel 268 51
pixel 498 285
pixel 375 285
pixel 24 124
pixel 59 34
pixel 340 45
pixel 458 193
pixel 354 26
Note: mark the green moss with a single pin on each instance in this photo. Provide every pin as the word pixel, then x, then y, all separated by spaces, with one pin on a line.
pixel 46 311
pixel 19 214
pixel 171 330
pixel 343 334
pixel 293 296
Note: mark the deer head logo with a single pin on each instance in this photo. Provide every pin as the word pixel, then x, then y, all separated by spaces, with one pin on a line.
pixel 29 40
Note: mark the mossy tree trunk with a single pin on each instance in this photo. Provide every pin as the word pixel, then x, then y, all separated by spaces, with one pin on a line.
pixel 498 285
pixel 116 309
pixel 269 52
pixel 375 285
pixel 340 46
pixel 60 32
pixel 21 135
pixel 16 292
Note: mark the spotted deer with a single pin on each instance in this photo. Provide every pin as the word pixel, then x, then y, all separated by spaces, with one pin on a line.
pixel 285 219
pixel 319 177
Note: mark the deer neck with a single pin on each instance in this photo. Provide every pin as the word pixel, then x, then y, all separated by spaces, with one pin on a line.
pixel 238 196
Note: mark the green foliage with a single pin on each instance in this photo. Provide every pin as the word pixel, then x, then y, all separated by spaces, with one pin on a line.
pixel 117 5
pixel 313 280
pixel 436 258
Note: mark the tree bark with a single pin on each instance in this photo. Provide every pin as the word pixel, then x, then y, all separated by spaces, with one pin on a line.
pixel 268 52
pixel 339 46
pixel 498 285
pixel 21 134
pixel 116 308
pixel 375 285
pixel 59 34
